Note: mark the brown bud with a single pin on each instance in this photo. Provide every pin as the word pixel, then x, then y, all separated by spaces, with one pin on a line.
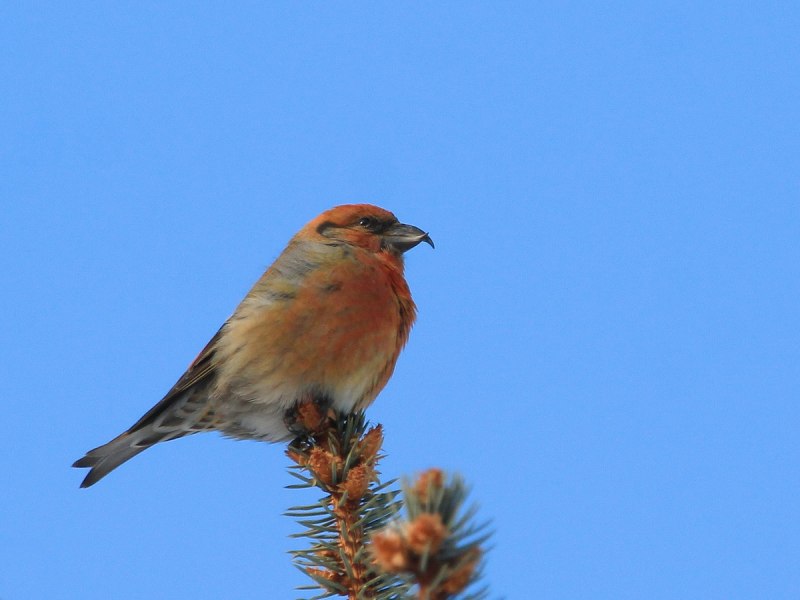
pixel 298 457
pixel 325 574
pixel 426 532
pixel 428 480
pixel 311 416
pixel 389 551
pixel 357 483
pixel 320 463
pixel 371 443
pixel 460 578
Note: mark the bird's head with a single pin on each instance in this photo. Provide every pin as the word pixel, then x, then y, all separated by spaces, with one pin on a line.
pixel 366 226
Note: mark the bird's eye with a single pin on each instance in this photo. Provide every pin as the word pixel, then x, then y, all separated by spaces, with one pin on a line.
pixel 367 222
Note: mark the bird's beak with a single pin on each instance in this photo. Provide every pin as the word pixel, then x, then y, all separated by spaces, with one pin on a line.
pixel 400 237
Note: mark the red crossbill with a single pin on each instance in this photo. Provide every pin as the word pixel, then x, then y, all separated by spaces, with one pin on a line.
pixel 325 323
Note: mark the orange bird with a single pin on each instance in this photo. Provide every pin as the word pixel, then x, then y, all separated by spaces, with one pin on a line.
pixel 326 322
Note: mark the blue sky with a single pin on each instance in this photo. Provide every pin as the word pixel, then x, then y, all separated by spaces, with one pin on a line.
pixel 608 340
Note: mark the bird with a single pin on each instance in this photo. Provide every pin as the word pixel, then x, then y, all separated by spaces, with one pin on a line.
pixel 326 322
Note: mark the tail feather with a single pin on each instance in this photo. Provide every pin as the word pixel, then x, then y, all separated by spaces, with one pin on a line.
pixel 179 413
pixel 106 458
pixel 184 410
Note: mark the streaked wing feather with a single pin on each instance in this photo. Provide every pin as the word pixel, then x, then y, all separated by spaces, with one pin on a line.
pixel 200 370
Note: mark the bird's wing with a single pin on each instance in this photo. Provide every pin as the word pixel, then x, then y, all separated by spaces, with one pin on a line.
pixel 184 391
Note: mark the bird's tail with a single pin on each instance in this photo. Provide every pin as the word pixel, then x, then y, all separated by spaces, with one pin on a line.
pixel 163 423
pixel 183 411
pixel 172 422
pixel 104 459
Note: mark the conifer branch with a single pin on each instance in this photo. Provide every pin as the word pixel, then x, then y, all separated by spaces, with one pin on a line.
pixel 360 546
pixel 436 547
pixel 339 456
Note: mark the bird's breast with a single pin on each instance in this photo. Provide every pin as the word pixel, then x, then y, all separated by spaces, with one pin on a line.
pixel 337 330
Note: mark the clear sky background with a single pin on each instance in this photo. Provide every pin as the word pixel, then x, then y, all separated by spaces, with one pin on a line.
pixel 608 345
